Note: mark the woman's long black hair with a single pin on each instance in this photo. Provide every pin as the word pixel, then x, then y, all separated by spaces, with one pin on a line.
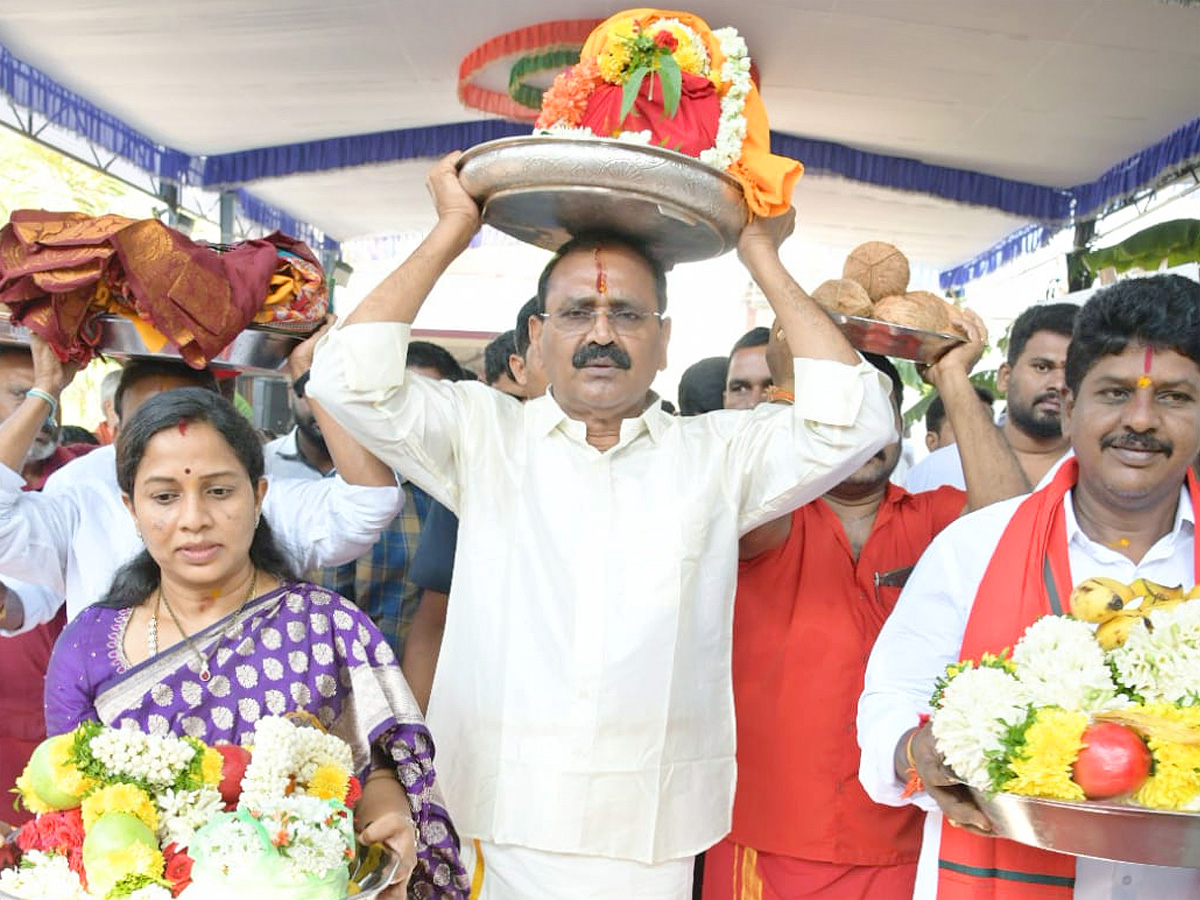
pixel 140 577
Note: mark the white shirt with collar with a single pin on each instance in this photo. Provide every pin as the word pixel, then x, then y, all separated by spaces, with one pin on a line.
pixel 582 702
pixel 71 537
pixel 924 634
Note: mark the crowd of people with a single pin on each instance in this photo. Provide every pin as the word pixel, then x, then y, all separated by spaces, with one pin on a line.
pixel 647 654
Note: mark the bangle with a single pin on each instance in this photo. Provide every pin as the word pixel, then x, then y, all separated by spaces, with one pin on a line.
pixel 46 397
pixel 778 395
pixel 914 784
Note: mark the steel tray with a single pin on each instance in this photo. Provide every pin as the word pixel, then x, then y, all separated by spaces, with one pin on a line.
pixel 1102 830
pixel 888 339
pixel 544 190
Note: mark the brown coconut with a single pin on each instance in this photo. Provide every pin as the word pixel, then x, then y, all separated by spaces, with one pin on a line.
pixel 878 267
pixel 919 309
pixel 841 295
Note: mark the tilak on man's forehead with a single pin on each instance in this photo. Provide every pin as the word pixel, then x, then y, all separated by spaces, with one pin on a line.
pixel 601 274
pixel 1144 380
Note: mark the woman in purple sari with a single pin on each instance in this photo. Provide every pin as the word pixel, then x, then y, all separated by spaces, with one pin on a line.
pixel 206 631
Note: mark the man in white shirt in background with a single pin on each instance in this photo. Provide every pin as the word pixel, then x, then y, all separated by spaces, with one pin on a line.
pixel 70 539
pixel 582 706
pixel 1122 508
pixel 1031 378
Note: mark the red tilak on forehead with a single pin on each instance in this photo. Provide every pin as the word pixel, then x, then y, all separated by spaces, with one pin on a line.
pixel 1149 360
pixel 601 274
pixel 183 426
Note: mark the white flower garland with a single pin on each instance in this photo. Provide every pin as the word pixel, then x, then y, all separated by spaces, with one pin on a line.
pixel 1060 664
pixel 157 759
pixel 1163 665
pixel 182 813
pixel 282 751
pixel 731 130
pixel 43 876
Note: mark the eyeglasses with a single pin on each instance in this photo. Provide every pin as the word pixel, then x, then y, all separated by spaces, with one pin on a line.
pixel 581 319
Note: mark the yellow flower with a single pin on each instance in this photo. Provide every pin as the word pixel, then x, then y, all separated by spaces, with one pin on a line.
pixel 1042 767
pixel 689 60
pixel 66 777
pixel 617 51
pixel 1176 779
pixel 126 798
pixel 212 766
pixel 105 870
pixel 29 797
pixel 329 782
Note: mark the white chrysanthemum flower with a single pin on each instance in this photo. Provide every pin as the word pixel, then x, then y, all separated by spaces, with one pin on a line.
pixel 978 706
pixel 42 876
pixel 1162 664
pixel 182 813
pixel 1059 663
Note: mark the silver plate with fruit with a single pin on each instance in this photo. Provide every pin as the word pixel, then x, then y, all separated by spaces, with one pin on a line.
pixel 1091 828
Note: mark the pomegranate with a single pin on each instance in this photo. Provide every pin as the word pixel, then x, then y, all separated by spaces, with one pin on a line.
pixel 1114 761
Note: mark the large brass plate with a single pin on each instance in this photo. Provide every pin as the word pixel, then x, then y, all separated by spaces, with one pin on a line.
pixel 544 190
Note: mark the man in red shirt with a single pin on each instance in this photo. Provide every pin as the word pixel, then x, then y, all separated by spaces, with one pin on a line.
pixel 814 588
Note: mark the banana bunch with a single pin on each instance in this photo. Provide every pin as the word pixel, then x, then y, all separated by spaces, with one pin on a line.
pixel 1118 608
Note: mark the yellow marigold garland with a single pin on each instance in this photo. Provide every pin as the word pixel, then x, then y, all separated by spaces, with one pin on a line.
pixel 1175 779
pixel 66 777
pixel 1042 767
pixel 105 871
pixel 212 767
pixel 329 782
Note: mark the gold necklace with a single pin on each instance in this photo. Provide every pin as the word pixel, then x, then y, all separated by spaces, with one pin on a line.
pixel 152 631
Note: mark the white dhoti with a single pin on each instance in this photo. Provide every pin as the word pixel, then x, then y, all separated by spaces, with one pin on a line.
pixel 508 872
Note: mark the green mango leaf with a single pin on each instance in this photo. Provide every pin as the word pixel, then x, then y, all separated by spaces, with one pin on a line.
pixel 672 84
pixel 629 93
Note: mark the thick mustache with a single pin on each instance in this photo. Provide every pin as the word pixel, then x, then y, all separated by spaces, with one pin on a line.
pixel 1141 442
pixel 589 353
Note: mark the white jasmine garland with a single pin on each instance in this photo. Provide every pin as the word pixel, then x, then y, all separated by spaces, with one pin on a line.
pixel 282 752
pixel 1059 663
pixel 182 813
pixel 1162 664
pixel 978 707
pixel 42 876
pixel 731 127
pixel 157 759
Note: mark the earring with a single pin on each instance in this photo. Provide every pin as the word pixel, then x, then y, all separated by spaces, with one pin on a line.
pixel 257 519
pixel 138 532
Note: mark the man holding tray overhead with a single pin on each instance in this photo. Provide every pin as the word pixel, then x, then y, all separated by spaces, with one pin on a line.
pixel 582 703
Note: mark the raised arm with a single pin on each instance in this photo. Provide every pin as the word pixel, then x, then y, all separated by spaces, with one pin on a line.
pixel 809 331
pixel 19 430
pixel 399 297
pixel 990 468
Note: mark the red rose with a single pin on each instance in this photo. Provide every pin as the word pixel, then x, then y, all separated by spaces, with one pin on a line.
pixel 665 39
pixel 178 868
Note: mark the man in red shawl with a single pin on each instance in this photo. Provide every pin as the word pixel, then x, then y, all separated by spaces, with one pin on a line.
pixel 1125 508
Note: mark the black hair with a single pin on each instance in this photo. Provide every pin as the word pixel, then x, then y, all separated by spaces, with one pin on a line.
pixel 429 355
pixel 1162 311
pixel 702 386
pixel 77 434
pixel 524 314
pixel 139 577
pixel 1058 318
pixel 884 365
pixel 495 357
pixel 755 337
pixel 935 413
pixel 586 242
pixel 137 369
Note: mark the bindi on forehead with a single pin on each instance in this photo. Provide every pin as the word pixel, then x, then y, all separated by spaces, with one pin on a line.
pixel 183 427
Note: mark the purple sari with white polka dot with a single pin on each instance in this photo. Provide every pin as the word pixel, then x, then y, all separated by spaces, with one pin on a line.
pixel 298 648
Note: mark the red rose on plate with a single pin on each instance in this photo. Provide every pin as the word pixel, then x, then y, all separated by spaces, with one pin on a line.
pixel 178 868
pixel 353 792
pixel 665 39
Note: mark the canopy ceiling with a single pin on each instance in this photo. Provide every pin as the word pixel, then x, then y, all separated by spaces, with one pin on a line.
pixel 1016 106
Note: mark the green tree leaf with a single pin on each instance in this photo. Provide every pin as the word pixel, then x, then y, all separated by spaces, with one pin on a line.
pixel 629 92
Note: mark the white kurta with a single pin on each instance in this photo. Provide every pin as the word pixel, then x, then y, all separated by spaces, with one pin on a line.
pixel 924 634
pixel 582 702
pixel 71 537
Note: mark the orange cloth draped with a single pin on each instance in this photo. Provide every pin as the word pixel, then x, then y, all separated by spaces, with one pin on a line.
pixel 766 179
pixel 60 271
pixel 1030 558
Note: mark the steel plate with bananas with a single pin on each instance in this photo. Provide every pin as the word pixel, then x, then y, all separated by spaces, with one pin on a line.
pixel 1101 830
pixel 543 190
